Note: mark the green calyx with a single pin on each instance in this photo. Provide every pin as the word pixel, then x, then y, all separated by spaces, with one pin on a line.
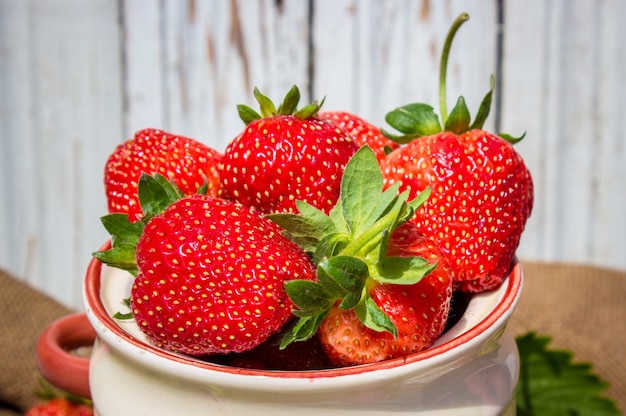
pixel 155 193
pixel 289 106
pixel 418 120
pixel 349 246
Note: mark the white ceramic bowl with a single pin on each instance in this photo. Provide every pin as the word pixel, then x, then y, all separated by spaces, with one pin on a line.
pixel 471 370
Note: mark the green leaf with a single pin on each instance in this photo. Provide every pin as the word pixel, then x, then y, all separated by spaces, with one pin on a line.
pixel 203 189
pixel 290 102
pixel 329 246
pixel 420 198
pixel 551 383
pixel 123 316
pixel 309 110
pixel 459 120
pixel 306 228
pixel 369 244
pixel 372 243
pixel 121 229
pixel 342 276
pixel 298 229
pixel 310 297
pixel 172 192
pixel 399 138
pixel 415 119
pixel 402 270
pixel 303 329
pixel 323 223
pixel 387 149
pixel 267 106
pixel 372 317
pixel 370 213
pixel 336 216
pixel 287 107
pixel 298 232
pixel 247 114
pixel 414 204
pixel 385 202
pixel 389 204
pixel 122 256
pixel 485 107
pixel 352 299
pixel 362 181
pixel 512 139
pixel 155 194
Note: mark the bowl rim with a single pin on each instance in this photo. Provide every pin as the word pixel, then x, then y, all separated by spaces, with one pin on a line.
pixel 108 330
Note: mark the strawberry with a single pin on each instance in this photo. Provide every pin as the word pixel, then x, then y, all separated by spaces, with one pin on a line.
pixel 60 406
pixel 362 131
pixel 376 277
pixel 210 272
pixel 55 402
pixel 418 311
pixel 285 155
pixel 482 192
pixel 54 407
pixel 187 162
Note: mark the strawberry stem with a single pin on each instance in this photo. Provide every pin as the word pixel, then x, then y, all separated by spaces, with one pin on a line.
pixel 443 66
pixel 370 237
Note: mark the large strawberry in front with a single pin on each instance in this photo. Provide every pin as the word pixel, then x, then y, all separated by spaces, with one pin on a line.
pixel 482 192
pixel 187 162
pixel 210 272
pixel 284 155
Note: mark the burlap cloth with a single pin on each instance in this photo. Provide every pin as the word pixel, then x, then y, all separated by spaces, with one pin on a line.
pixel 580 307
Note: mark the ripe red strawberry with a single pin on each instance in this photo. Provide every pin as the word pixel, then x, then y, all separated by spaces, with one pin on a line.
pixel 284 156
pixel 371 288
pixel 60 407
pixel 186 161
pixel 362 131
pixel 482 192
pixel 210 274
pixel 418 311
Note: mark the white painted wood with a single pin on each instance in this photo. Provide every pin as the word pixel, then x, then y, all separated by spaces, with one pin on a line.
pixel 563 66
pixel 197 60
pixel 143 69
pixel 373 56
pixel 61 111
pixel 76 78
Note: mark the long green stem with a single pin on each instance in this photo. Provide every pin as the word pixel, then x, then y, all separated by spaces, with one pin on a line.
pixel 371 237
pixel 443 65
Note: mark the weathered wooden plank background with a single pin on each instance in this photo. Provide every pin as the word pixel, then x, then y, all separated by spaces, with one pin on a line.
pixel 77 77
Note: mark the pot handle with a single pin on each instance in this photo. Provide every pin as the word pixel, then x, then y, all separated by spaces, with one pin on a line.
pixel 69 372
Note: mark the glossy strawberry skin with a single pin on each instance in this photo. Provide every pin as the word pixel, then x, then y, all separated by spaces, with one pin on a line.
pixel 211 276
pixel 362 131
pixel 60 407
pixel 185 160
pixel 419 311
pixel 278 160
pixel 482 196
